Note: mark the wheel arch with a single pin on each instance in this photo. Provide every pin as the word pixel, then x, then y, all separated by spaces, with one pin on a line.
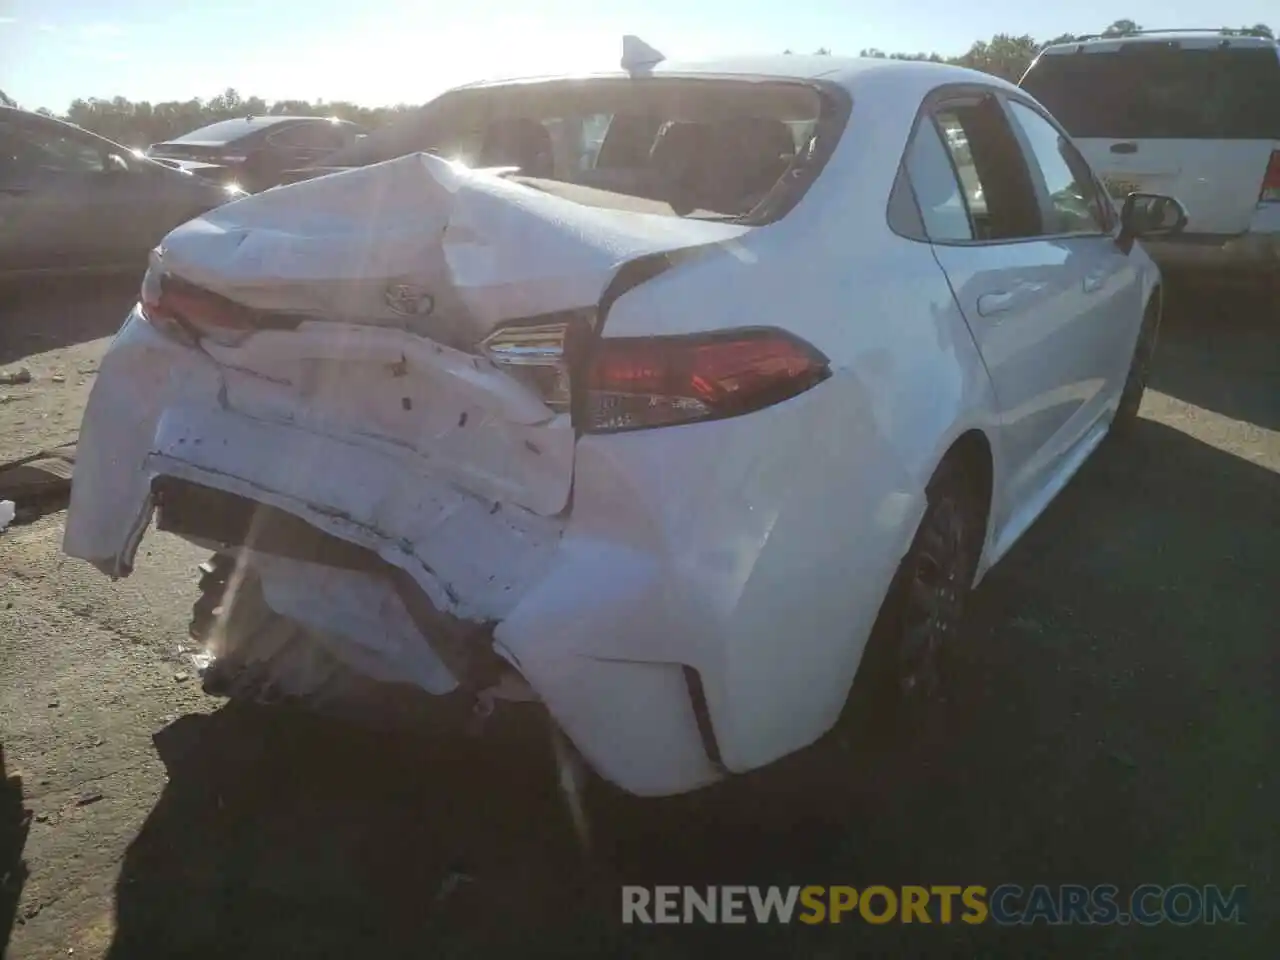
pixel 972 450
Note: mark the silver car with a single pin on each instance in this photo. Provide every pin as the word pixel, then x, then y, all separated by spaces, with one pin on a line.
pixel 74 202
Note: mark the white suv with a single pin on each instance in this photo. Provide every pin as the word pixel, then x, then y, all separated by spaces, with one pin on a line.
pixel 1192 114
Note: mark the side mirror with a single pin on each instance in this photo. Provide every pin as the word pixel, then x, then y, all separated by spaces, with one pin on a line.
pixel 1145 215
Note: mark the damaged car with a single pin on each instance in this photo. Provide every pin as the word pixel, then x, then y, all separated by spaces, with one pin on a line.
pixel 645 422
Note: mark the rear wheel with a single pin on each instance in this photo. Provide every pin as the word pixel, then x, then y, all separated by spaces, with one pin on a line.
pixel 915 641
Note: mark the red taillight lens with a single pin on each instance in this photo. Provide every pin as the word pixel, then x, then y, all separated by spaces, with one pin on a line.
pixel 1270 192
pixel 175 306
pixel 633 383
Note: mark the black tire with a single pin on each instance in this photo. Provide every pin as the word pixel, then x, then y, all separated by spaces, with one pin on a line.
pixel 911 650
pixel 1135 384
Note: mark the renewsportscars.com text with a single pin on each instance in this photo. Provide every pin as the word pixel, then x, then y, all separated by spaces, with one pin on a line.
pixel 1006 905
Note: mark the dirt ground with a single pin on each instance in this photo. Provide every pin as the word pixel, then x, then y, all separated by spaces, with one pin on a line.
pixel 1115 721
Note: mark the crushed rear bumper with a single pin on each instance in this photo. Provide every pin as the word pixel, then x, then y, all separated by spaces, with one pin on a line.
pixel 680 622
pixel 394 603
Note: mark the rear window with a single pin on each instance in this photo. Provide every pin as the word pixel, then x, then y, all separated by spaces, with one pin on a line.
pixel 1148 91
pixel 707 147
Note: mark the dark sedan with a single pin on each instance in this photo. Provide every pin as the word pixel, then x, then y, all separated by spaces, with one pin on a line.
pixel 252 152
pixel 71 201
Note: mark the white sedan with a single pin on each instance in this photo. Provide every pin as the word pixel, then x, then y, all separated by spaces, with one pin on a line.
pixel 646 430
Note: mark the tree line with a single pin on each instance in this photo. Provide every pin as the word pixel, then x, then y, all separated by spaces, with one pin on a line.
pixel 143 123
pixel 138 124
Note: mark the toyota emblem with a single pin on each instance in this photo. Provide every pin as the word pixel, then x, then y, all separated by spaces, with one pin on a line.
pixel 409 301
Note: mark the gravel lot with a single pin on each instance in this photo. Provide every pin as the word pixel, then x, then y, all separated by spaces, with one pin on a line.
pixel 1116 722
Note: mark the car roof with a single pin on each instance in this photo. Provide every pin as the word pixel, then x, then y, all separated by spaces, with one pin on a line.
pixel 847 72
pixel 233 128
pixel 42 118
pixel 1177 39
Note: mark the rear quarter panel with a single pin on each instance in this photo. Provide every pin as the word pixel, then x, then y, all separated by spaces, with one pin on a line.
pixel 783 528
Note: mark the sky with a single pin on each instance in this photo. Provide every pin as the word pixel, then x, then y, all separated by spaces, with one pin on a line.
pixel 376 52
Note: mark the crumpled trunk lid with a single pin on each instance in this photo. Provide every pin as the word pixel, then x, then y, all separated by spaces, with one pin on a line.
pixel 390 276
pixel 420 243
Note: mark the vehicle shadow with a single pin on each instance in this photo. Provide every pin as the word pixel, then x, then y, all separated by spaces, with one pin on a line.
pixel 39 316
pixel 15 823
pixel 1111 720
pixel 1222 353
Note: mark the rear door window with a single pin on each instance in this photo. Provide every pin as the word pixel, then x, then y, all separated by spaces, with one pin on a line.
pixel 943 205
pixel 1074 204
pixel 988 166
pixel 1149 91
pixel 31 151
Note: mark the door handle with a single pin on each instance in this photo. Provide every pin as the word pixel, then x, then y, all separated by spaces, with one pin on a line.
pixel 990 303
pixel 15 191
pixel 1127 147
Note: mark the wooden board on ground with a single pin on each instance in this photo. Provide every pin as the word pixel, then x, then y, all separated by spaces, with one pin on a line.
pixel 41 481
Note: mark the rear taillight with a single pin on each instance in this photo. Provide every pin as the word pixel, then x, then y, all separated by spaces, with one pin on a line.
pixel 177 307
pixel 1270 192
pixel 539 355
pixel 149 295
pixel 150 302
pixel 630 383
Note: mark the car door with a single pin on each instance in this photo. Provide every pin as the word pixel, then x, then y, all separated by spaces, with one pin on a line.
pixel 1017 288
pixel 1078 216
pixel 39 202
pixel 74 201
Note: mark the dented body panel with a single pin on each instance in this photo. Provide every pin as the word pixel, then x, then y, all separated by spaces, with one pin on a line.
pixel 687 601
pixel 486 249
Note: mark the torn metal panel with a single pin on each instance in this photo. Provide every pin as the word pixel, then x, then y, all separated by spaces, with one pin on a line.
pixel 435 408
pixel 110 494
pixel 357 616
pixel 473 560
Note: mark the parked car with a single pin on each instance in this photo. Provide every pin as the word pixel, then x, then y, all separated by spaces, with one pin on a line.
pixel 1195 114
pixel 71 201
pixel 655 455
pixel 253 151
pixel 407 133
